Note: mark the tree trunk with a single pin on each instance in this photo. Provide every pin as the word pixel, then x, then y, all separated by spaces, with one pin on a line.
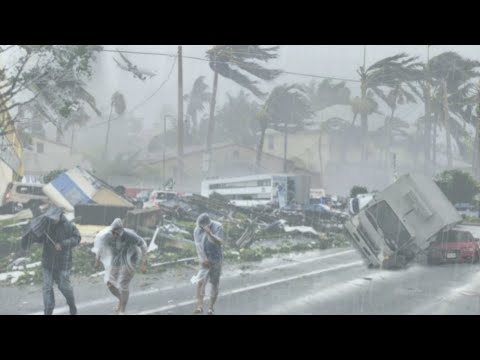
pixel 195 129
pixel 446 120
pixel 364 118
pixel 285 149
pixel 427 132
pixel 105 154
pixel 260 146
pixel 320 156
pixel 434 141
pixel 476 146
pixel 180 117
pixel 59 132
pixel 354 118
pixel 73 138
pixel 211 122
pixel 388 131
pixel 476 151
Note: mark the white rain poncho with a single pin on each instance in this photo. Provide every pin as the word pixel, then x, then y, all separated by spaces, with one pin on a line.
pixel 200 237
pixel 107 251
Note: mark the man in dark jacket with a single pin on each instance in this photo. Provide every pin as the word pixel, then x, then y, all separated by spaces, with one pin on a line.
pixel 58 237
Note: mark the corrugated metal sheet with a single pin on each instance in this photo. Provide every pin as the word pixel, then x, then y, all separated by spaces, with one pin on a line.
pixel 70 190
pixel 78 186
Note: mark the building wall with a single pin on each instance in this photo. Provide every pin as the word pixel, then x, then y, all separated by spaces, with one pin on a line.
pixel 6 176
pixel 46 156
pixel 226 161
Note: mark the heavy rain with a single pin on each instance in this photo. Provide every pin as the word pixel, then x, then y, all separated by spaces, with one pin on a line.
pixel 239 179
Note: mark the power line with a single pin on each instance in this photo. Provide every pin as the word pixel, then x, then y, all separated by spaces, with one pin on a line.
pixel 224 62
pixel 143 102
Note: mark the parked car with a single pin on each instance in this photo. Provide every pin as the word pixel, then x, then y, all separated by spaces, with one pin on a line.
pixel 30 196
pixel 143 196
pixel 325 212
pixel 160 196
pixel 456 245
pixel 464 207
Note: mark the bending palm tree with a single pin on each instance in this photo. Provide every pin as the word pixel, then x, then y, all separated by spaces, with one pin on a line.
pixel 286 109
pixel 451 78
pixel 197 97
pixel 388 72
pixel 232 62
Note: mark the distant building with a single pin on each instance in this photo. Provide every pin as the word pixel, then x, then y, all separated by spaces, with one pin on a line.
pixel 228 160
pixel 11 166
pixel 44 156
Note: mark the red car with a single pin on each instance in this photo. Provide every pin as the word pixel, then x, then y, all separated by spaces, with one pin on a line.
pixel 456 245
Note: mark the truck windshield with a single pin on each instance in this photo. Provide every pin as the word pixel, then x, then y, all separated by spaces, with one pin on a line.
pixel 381 215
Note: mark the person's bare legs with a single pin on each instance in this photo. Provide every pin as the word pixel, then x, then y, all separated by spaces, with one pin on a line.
pixel 215 273
pixel 200 295
pixel 126 275
pixel 115 293
pixel 114 274
pixel 213 298
pixel 124 294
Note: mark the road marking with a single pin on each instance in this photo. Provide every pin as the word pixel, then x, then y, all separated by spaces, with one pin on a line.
pixel 335 291
pixel 254 287
pixel 112 300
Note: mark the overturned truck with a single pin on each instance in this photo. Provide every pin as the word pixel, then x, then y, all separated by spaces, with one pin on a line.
pixel 401 222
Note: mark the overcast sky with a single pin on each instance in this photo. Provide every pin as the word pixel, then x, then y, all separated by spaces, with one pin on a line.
pixel 339 61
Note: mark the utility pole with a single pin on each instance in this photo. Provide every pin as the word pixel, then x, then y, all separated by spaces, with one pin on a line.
pixel 285 148
pixel 446 119
pixel 180 119
pixel 428 123
pixel 363 114
pixel 164 175
pixel 164 148
pixel 476 152
pixel 105 154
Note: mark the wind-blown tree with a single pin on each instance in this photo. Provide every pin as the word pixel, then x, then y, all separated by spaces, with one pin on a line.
pixel 237 119
pixel 286 109
pixel 119 105
pixel 234 62
pixel 401 91
pixel 325 94
pixel 48 81
pixel 389 72
pixel 196 100
pixel 452 99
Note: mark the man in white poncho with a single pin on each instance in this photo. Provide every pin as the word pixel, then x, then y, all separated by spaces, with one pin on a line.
pixel 119 250
pixel 209 238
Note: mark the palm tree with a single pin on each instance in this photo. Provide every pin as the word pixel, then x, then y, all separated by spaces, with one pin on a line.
pixel 118 104
pixel 402 90
pixel 325 94
pixel 451 78
pixel 237 119
pixel 197 97
pixel 286 109
pixel 77 119
pixel 232 62
pixel 389 72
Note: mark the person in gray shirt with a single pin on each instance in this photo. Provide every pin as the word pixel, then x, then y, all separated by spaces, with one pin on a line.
pixel 209 238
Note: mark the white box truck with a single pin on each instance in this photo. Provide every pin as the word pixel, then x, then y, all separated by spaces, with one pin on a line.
pixel 401 222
